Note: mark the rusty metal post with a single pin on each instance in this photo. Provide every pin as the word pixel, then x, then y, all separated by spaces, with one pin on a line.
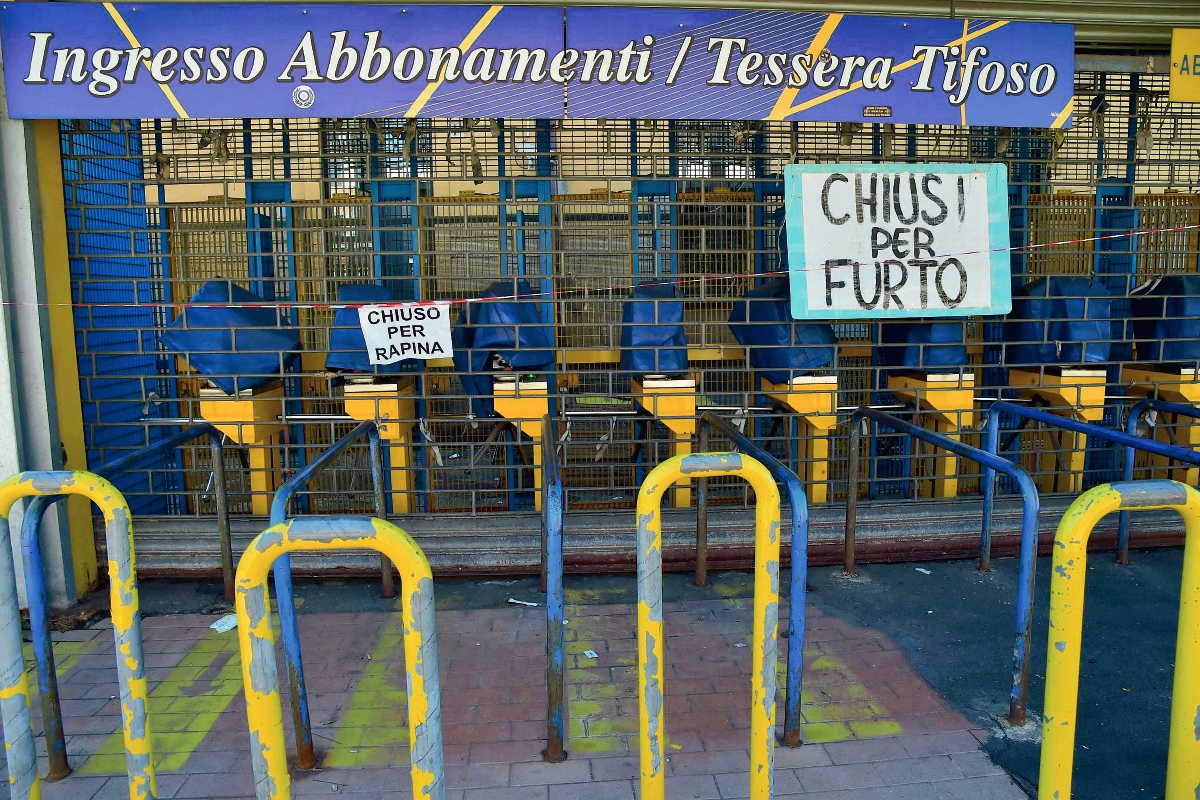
pixel 852 499
pixel 552 563
pixel 387 587
pixel 43 649
pixel 221 495
pixel 544 569
pixel 701 579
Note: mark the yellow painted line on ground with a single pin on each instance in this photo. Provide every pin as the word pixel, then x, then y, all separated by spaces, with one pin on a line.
pixel 593 692
pixel 66 657
pixel 599 595
pixel 183 708
pixel 133 40
pixel 376 721
pixel 467 41
pixel 860 716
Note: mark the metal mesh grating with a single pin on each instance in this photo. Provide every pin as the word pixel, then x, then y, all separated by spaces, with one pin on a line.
pixel 439 209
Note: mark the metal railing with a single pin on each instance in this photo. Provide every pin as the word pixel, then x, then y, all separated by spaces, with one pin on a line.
pixel 764 633
pixel 1064 645
pixel 1030 507
pixel 127 630
pixel 1120 438
pixel 798 502
pixel 691 203
pixel 35 579
pixel 288 624
pixel 552 573
pixel 1131 423
pixel 257 642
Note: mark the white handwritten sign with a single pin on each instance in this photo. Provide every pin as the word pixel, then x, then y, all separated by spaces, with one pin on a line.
pixel 406 330
pixel 875 241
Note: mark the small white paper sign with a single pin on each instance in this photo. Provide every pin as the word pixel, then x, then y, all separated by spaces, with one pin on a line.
pixel 406 330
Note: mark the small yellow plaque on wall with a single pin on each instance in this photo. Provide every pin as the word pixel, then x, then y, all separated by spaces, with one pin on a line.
pixel 1185 65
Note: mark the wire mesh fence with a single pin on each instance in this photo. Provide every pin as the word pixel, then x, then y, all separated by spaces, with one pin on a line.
pixel 561 220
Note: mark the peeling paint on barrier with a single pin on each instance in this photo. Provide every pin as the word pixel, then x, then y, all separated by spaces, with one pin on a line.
pixel 259 670
pixel 127 631
pixel 650 618
pixel 1066 633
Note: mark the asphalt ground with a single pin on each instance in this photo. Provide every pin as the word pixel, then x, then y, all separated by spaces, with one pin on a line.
pixel 955 624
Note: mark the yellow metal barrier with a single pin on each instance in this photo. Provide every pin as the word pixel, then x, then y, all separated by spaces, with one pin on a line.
pixel 651 645
pixel 259 670
pixel 1066 631
pixel 127 631
pixel 946 402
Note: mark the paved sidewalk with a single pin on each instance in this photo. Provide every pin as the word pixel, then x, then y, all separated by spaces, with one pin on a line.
pixel 873 729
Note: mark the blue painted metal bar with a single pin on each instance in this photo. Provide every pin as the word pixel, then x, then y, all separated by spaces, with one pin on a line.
pixel 289 626
pixel 799 562
pixel 1135 413
pixel 552 558
pixel 1119 438
pixel 35 579
pixel 1031 505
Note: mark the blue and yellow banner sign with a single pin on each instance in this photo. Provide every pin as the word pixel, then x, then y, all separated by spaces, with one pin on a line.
pixel 1185 65
pixel 886 241
pixel 116 60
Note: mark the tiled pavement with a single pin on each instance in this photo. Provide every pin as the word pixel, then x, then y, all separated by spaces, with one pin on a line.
pixel 873 729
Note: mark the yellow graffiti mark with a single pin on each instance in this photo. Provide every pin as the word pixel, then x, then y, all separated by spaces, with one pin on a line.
pixel 783 111
pixel 594 595
pixel 788 95
pixel 855 714
pixel 67 656
pixel 467 41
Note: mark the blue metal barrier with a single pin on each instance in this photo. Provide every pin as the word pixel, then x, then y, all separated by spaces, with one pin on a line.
pixel 552 561
pixel 1031 505
pixel 35 579
pixel 289 626
pixel 799 557
pixel 1135 413
pixel 1120 438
